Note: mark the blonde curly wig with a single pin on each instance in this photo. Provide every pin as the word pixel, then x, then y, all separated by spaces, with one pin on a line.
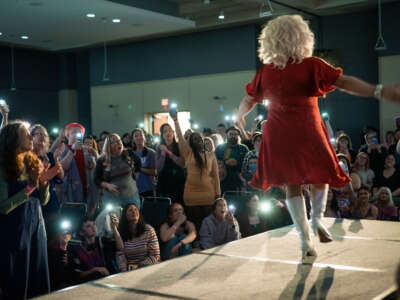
pixel 285 37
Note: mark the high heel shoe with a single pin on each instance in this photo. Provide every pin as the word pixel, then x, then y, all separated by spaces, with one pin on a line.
pixel 297 210
pixel 318 204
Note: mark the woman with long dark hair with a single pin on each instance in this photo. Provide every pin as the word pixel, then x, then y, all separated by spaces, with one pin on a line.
pixel 136 242
pixel 148 160
pixel 202 181
pixel 23 252
pixel 292 80
pixel 169 164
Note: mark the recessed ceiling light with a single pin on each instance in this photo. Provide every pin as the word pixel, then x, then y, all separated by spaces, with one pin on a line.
pixel 116 20
pixel 24 37
pixel 90 15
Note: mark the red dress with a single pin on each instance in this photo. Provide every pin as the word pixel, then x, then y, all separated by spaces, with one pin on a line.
pixel 295 147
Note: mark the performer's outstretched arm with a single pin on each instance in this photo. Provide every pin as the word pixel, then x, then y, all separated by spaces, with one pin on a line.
pixel 246 106
pixel 355 86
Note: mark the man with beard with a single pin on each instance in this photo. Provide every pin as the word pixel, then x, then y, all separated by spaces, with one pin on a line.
pixel 232 154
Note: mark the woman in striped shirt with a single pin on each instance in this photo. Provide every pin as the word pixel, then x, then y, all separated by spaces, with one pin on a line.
pixel 136 242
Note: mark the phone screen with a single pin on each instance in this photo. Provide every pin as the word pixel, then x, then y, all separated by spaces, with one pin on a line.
pixel 172 112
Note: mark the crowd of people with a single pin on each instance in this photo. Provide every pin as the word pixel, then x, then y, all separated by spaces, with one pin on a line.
pixel 40 172
pixel 213 179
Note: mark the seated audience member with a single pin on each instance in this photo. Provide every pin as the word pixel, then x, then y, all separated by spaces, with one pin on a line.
pixel 219 227
pixel 355 178
pixel 249 166
pixel 362 209
pixel 136 242
pixel 344 146
pixel 361 167
pixel 177 233
pixel 88 258
pixel 386 209
pixel 390 142
pixel 250 221
pixel 332 208
pixel 389 176
pixel 209 144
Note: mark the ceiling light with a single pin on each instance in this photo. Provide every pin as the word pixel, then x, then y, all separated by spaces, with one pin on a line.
pixel 206 1
pixel 90 15
pixel 266 9
pixel 24 37
pixel 1 33
pixel 116 20
pixel 221 15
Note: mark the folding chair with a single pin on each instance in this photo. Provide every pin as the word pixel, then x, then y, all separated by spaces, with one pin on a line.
pixel 155 210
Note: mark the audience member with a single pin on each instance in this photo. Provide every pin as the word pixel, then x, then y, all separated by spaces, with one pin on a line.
pixel 250 221
pixel 389 176
pixel 127 140
pixel 362 209
pixel 386 208
pixel 136 241
pixel 355 178
pixel 219 227
pixel 249 166
pixel 148 160
pixel 169 164
pixel 232 154
pixel 209 144
pixel 362 168
pixel 344 146
pixel 332 208
pixel 202 181
pixel 375 151
pixel 221 130
pixel 24 269
pixel 177 233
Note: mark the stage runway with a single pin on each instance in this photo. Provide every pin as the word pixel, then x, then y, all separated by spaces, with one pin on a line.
pixel 359 264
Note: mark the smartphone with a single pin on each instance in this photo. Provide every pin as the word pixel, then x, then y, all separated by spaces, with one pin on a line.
pixel 374 140
pixel 79 137
pixel 173 112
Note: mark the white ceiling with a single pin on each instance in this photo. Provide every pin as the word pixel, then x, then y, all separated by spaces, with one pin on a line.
pixel 62 24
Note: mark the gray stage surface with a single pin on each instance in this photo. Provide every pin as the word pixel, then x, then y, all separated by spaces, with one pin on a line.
pixel 359 264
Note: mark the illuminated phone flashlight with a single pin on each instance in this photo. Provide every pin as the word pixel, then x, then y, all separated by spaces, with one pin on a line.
pixel 79 135
pixel 260 117
pixel 333 140
pixel 109 207
pixel 55 130
pixel 227 118
pixel 174 105
pixel 231 207
pixel 265 102
pixel 27 124
pixel 141 125
pixel 156 140
pixel 325 115
pixel 196 126
pixel 3 102
pixel 266 206
pixel 233 117
pixel 65 225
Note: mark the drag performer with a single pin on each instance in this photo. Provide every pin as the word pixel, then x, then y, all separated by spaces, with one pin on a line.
pixel 295 147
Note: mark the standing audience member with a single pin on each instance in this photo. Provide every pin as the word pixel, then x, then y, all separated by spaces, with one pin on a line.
pixel 390 141
pixel 40 148
pixel 177 233
pixel 24 271
pixel 78 165
pixel 116 173
pixel 219 227
pixel 169 164
pixel 209 144
pixel 221 130
pixel 127 141
pixel 136 241
pixel 202 181
pixel 362 168
pixel 249 166
pixel 389 176
pixel 148 160
pixel 88 260
pixel 375 151
pixel 232 154
pixel 386 209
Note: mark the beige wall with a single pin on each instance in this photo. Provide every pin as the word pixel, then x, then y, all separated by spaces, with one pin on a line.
pixel 194 94
pixel 389 67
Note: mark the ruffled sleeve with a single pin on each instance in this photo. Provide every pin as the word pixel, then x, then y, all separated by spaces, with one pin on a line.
pixel 325 76
pixel 254 89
